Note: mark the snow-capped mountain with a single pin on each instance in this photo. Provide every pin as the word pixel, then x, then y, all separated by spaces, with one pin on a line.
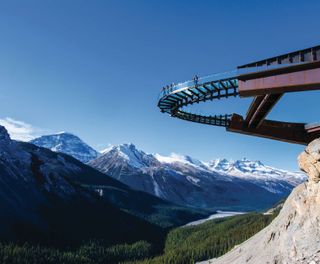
pixel 217 184
pixel 51 195
pixel 129 154
pixel 67 143
pixel 256 171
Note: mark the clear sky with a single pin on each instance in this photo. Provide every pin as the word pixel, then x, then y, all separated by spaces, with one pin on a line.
pixel 95 68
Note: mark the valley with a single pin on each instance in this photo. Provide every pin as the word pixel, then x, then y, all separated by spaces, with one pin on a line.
pixel 65 203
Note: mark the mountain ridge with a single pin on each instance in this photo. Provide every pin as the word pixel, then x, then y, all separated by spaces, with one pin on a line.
pixel 177 177
pixel 187 181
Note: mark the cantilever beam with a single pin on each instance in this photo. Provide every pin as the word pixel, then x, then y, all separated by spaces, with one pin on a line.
pixel 294 78
pixel 276 130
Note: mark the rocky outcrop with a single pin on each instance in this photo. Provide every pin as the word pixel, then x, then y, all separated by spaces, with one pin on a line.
pixel 309 161
pixel 294 235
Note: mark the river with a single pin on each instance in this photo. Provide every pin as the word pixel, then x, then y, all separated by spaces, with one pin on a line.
pixel 219 214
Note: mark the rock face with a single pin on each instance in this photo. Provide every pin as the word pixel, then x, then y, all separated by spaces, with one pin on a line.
pixel 309 161
pixel 294 235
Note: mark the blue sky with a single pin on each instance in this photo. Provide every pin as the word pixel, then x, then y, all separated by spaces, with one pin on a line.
pixel 95 68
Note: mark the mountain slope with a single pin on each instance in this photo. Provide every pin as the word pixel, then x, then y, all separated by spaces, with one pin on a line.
pixel 210 239
pixel 39 202
pixel 67 143
pixel 220 184
pixel 53 198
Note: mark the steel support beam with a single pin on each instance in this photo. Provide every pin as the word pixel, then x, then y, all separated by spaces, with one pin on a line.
pixel 290 79
pixel 260 108
pixel 276 130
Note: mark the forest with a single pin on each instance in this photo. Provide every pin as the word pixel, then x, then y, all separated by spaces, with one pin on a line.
pixel 186 244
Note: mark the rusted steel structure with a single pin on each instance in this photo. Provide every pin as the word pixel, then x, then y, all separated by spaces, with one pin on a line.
pixel 265 80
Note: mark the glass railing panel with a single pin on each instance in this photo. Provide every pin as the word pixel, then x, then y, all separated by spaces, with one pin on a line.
pixel 203 80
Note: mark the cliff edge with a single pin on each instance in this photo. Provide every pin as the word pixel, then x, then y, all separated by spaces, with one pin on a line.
pixel 294 235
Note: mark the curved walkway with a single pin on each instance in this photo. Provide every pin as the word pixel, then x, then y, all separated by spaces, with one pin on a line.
pixel 212 87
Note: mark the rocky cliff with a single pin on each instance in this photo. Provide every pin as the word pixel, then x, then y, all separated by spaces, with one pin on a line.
pixel 293 236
